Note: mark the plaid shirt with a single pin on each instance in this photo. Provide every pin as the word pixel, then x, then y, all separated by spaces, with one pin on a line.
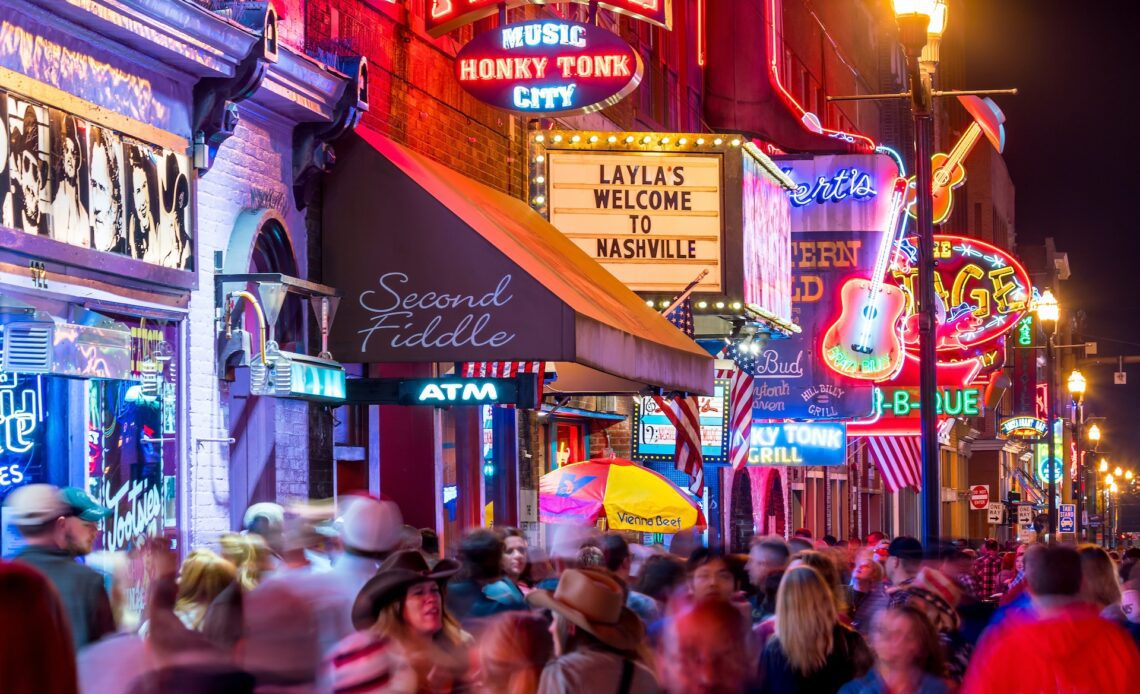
pixel 986 569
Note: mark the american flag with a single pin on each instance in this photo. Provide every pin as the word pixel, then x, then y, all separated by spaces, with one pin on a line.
pixel 685 413
pixel 506 369
pixel 740 399
pixel 899 460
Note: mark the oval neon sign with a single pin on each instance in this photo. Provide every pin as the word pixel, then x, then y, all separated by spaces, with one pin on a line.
pixel 548 67
pixel 983 290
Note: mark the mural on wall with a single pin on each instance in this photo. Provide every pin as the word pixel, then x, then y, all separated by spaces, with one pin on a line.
pixel 66 179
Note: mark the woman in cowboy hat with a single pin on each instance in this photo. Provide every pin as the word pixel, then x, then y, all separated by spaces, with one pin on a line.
pixel 406 641
pixel 596 637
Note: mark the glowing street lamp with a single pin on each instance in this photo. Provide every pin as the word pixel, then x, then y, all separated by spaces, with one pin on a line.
pixel 1118 471
pixel 1094 433
pixel 1128 475
pixel 1047 308
pixel 1108 480
pixel 921 23
pixel 1103 465
pixel 1077 383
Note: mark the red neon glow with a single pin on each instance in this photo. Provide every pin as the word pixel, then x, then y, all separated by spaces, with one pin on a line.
pixel 701 33
pixel 774 76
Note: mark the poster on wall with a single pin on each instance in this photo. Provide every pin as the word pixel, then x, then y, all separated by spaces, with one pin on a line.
pixel 767 239
pixel 654 438
pixel 88 186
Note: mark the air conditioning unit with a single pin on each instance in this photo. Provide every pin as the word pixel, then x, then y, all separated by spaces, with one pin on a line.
pixel 40 343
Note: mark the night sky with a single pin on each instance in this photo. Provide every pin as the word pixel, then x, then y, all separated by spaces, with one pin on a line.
pixel 1072 154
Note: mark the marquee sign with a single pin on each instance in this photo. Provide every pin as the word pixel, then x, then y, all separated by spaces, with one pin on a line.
pixel 653 219
pixel 445 15
pixel 983 292
pixel 1023 428
pixel 549 67
pixel 798 443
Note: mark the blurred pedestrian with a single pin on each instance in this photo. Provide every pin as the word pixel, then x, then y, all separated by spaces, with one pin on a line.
pixel 618 559
pixel 590 557
pixel 812 650
pixel 37 653
pixel 767 557
pixel 986 569
pixel 202 578
pixel 516 558
pixel 661 577
pixel 904 559
pixel 704 650
pixel 710 576
pixel 908 657
pixel 267 521
pixel 513 650
pixel 799 544
pixel 1008 571
pixel 1061 645
pixel 1016 594
pixel 406 640
pixel 59 525
pixel 1100 585
pixel 867 595
pixel 874 538
pixel 939 597
pixel 597 639
pixel 429 545
pixel 250 555
pixel 481 589
pixel 280 644
pixel 826 566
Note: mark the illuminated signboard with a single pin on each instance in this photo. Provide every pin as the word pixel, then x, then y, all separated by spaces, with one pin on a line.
pixel 548 67
pixel 767 239
pixel 983 293
pixel 791 443
pixel 903 402
pixel 1023 428
pixel 654 438
pixel 445 15
pixel 849 183
pixel 653 219
pixel 1041 453
pixel 316 381
pixel 456 391
pixel 22 418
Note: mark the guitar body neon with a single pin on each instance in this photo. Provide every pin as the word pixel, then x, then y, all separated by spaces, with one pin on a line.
pixel 865 342
pixel 948 175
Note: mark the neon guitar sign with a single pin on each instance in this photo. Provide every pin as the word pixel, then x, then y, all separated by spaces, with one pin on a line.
pixel 948 171
pixel 865 341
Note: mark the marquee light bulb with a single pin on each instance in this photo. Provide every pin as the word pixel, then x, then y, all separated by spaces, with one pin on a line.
pixel 718 142
pixel 702 304
pixel 557 138
pixel 736 142
pixel 683 141
pixel 649 303
pixel 736 306
pixel 540 179
pixel 645 140
pixel 539 159
pixel 576 139
pixel 628 139
pixel 539 199
pixel 540 138
pixel 720 304
pixel 593 139
pixel 665 140
pixel 611 139
pixel 700 141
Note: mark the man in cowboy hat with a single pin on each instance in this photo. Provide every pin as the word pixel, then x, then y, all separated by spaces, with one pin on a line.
pixel 24 209
pixel 596 636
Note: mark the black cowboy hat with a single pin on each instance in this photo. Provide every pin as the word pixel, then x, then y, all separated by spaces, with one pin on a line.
pixel 399 572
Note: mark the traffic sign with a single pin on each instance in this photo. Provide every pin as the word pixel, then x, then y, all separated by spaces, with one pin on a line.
pixel 1068 518
pixel 995 512
pixel 1025 515
pixel 980 497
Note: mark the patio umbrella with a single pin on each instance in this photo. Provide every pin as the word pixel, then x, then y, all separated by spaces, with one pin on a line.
pixel 630 497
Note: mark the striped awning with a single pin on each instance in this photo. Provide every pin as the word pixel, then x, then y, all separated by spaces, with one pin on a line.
pixel 899 460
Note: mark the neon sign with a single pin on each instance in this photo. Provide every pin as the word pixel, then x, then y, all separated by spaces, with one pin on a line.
pixel 548 66
pixel 845 184
pixel 1023 428
pixel 802 443
pixel 955 402
pixel 468 392
pixel 983 293
pixel 446 15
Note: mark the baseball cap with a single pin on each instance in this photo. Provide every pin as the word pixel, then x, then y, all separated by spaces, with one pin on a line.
pixel 83 505
pixel 36 504
pixel 905 548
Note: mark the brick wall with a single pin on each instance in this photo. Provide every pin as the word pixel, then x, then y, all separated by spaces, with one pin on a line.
pixel 257 158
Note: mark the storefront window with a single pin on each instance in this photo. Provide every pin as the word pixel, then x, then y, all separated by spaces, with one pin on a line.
pixel 131 427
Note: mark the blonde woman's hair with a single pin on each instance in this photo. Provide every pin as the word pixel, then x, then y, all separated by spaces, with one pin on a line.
pixel 1099 583
pixel 513 650
pixel 805 618
pixel 248 553
pixel 203 576
pixel 825 564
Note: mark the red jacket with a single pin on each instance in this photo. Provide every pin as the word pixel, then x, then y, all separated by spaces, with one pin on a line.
pixel 1069 650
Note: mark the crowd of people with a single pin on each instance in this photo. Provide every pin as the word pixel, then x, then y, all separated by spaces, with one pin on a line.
pixel 308 600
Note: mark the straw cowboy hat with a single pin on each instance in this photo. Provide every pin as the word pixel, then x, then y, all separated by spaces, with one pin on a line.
pixel 399 572
pixel 593 600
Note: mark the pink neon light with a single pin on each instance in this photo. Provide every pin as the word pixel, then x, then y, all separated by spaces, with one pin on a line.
pixel 701 33
pixel 774 75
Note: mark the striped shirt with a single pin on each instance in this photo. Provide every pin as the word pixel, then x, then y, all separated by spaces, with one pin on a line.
pixel 365 663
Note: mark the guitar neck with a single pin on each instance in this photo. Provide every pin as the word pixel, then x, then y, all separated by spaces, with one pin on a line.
pixel 963 146
pixel 888 242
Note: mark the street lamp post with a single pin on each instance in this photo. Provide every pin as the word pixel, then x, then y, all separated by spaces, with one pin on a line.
pixel 1094 438
pixel 921 23
pixel 1049 312
pixel 1077 386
